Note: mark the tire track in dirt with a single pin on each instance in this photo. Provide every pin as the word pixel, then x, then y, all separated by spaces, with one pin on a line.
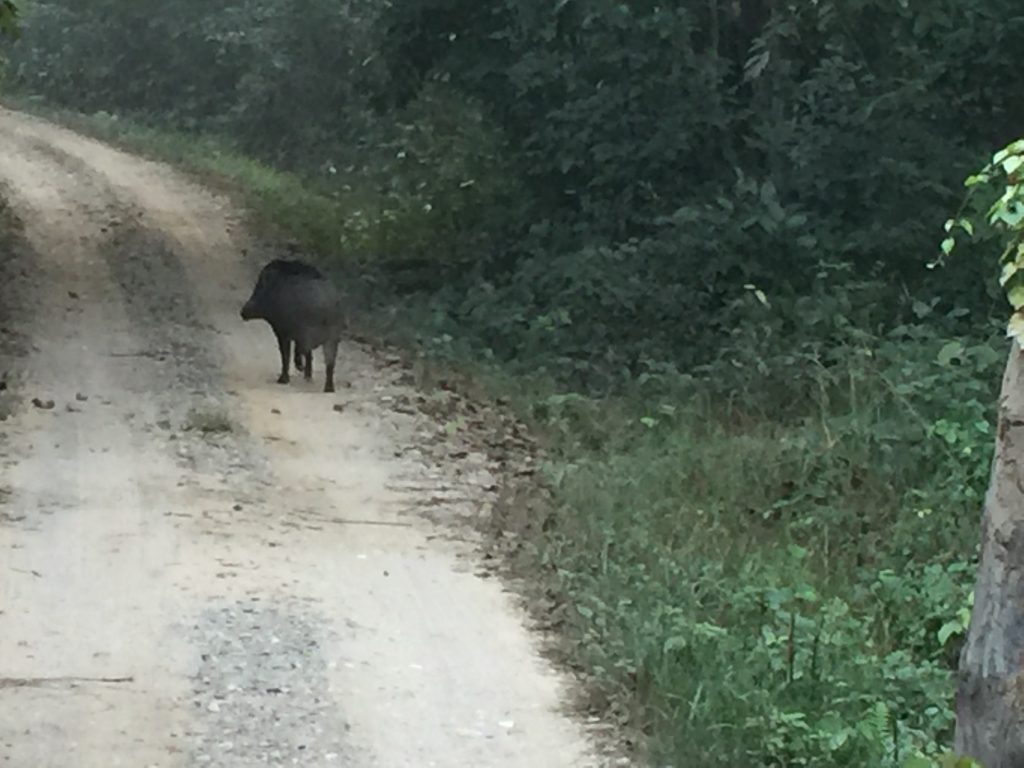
pixel 68 612
pixel 173 363
pixel 274 591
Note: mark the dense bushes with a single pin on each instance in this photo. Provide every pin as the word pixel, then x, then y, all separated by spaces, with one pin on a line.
pixel 703 229
pixel 782 591
pixel 678 156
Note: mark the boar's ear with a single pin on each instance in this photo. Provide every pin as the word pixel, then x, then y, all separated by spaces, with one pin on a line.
pixel 264 277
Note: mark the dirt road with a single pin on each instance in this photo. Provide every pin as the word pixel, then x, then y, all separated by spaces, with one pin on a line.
pixel 199 567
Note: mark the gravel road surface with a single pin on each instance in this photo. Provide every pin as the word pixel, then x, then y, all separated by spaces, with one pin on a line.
pixel 199 567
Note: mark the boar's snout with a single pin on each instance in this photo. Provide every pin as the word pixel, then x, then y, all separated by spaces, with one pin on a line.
pixel 248 311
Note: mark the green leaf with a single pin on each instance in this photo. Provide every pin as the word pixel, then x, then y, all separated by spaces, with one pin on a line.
pixel 674 643
pixel 1009 254
pixel 949 352
pixel 839 738
pixel 806 593
pixel 1012 163
pixel 1016 296
pixel 957 761
pixel 797 552
pixel 949 629
pixel 921 309
pixel 1015 328
pixel 947 245
pixel 1009 270
pixel 708 630
pixel 1010 215
pixel 1014 148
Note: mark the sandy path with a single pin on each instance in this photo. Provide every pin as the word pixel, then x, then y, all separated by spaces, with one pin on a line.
pixel 268 595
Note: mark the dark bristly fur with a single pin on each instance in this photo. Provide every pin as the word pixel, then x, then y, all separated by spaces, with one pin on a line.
pixel 302 307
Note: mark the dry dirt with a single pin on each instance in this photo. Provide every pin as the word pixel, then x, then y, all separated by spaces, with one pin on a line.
pixel 200 567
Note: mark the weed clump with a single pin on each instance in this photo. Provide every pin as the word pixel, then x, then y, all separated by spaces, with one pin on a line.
pixel 208 420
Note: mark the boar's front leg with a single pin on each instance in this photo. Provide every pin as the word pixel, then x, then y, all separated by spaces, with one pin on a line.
pixel 284 344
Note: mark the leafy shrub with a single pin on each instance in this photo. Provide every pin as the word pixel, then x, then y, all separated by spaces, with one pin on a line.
pixel 786 593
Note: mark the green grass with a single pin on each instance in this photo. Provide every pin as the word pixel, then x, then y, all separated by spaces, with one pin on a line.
pixel 209 420
pixel 740 589
pixel 747 592
pixel 15 262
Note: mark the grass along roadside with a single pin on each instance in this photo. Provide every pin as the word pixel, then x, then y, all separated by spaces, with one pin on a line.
pixel 15 303
pixel 739 589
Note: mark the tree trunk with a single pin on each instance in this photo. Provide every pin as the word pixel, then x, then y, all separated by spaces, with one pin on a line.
pixel 990 696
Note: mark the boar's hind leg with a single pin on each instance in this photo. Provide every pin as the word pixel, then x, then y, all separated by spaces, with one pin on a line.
pixel 284 344
pixel 330 355
pixel 304 358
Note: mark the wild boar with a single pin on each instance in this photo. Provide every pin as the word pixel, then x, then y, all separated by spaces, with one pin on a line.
pixel 302 307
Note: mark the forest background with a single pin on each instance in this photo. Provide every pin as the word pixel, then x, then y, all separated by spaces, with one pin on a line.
pixel 690 243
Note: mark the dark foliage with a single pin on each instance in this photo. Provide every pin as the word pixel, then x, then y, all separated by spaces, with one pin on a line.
pixel 661 157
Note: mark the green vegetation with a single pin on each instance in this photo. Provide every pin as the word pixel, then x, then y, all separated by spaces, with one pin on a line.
pixel 14 253
pixel 693 242
pixel 8 18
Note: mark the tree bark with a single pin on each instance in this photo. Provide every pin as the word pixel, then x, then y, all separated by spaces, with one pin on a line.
pixel 990 695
